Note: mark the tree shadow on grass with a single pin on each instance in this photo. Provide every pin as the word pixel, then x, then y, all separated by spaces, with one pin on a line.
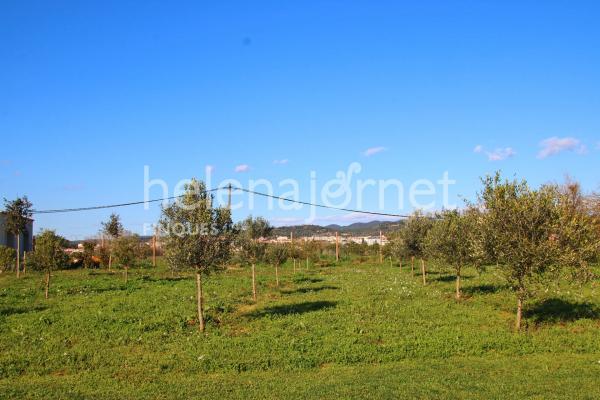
pixel 450 278
pixel 308 280
pixel 558 310
pixel 483 289
pixel 8 311
pixel 166 279
pixel 310 289
pixel 294 309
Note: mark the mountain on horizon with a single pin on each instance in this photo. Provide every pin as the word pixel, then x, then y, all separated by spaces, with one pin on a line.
pixel 371 228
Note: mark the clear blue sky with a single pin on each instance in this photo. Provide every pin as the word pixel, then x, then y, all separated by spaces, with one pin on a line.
pixel 90 92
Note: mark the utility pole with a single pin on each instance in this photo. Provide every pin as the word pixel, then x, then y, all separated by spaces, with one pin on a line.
pixel 293 250
pixel 337 247
pixel 229 197
pixel 380 247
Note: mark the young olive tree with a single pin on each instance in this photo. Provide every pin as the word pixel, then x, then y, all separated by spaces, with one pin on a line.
pixel 295 253
pixel 397 249
pixel 113 229
pixel 251 233
pixel 49 253
pixel 195 235
pixel 412 236
pixel 88 254
pixel 18 212
pixel 312 251
pixel 8 257
pixel 453 239
pixel 578 236
pixel 277 254
pixel 126 249
pixel 525 227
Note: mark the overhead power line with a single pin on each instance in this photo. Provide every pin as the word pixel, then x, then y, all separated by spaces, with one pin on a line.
pixel 306 203
pixel 133 203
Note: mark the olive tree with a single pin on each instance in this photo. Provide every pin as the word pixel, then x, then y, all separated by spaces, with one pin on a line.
pixel 453 239
pixel 88 254
pixel 277 254
pixel 525 227
pixel 397 249
pixel 195 235
pixel 49 254
pixel 250 241
pixel 126 249
pixel 412 237
pixel 113 229
pixel 18 212
pixel 311 251
pixel 8 256
pixel 578 237
pixel 295 253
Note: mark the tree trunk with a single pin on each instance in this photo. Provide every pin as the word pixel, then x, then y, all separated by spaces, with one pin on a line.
pixel 109 261
pixel 458 284
pixel 423 271
pixel 277 274
pixel 307 263
pixel 412 265
pixel 519 313
pixel 126 274
pixel 254 283
pixel 18 255
pixel 391 263
pixel 24 262
pixel 47 283
pixel 200 300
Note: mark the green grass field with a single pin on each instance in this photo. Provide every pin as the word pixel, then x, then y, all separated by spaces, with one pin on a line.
pixel 349 331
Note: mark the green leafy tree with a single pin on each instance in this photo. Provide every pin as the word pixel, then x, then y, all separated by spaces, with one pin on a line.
pixel 295 253
pixel 49 253
pixel 196 236
pixel 126 249
pixel 397 249
pixel 524 223
pixel 412 236
pixel 102 253
pixel 113 228
pixel 277 255
pixel 251 235
pixel 88 254
pixel 8 256
pixel 578 236
pixel 312 251
pixel 18 212
pixel 453 239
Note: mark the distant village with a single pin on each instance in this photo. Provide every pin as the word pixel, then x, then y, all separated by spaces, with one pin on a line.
pixel 343 239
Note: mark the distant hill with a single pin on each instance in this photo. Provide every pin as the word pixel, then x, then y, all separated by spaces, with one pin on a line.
pixel 371 228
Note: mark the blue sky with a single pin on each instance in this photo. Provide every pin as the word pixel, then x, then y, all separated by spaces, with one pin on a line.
pixel 91 92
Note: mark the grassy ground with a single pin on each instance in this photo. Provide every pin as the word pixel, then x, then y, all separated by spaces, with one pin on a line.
pixel 350 331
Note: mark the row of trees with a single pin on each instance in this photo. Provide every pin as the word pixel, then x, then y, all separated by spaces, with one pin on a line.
pixel 49 252
pixel 526 232
pixel 529 234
